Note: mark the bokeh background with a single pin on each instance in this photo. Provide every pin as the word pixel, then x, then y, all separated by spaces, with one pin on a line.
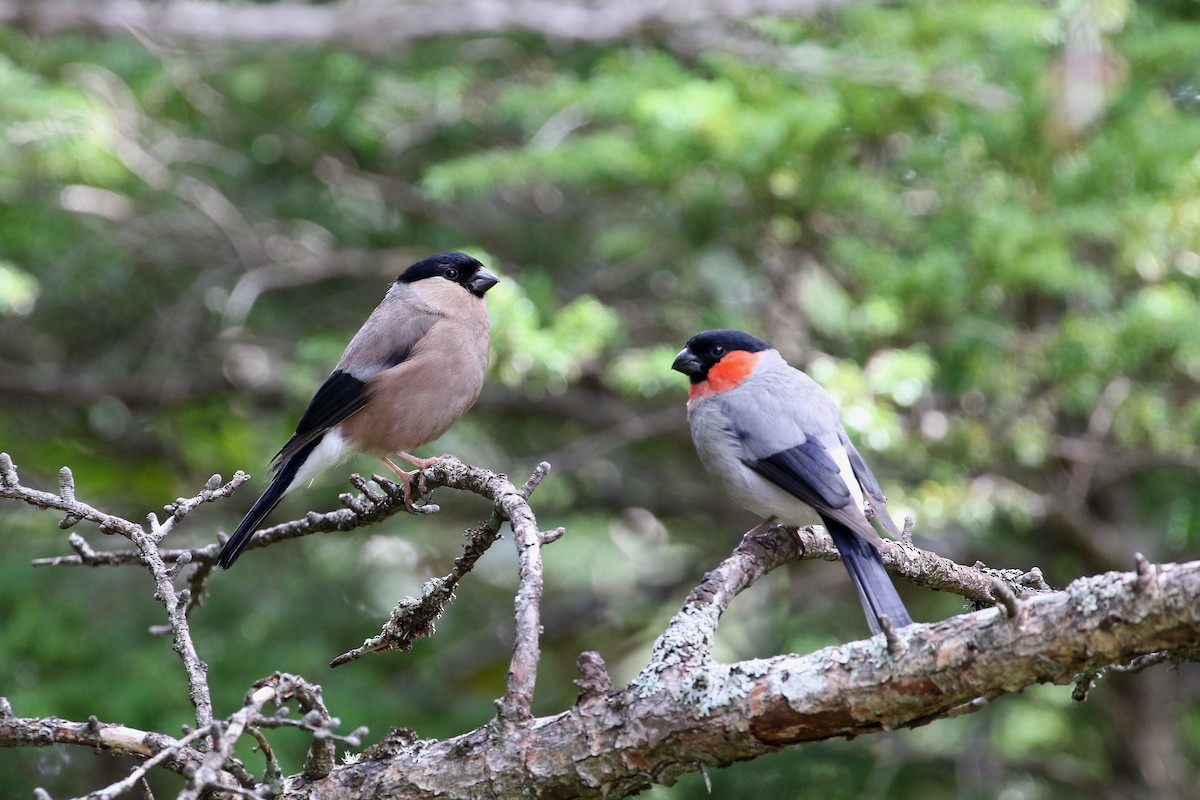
pixel 977 224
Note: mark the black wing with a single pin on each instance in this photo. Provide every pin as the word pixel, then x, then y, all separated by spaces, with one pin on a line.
pixel 340 396
pixel 284 475
pixel 808 472
pixel 870 486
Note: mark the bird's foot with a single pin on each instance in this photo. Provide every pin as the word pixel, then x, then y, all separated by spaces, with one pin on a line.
pixel 422 463
pixel 759 528
pixel 406 480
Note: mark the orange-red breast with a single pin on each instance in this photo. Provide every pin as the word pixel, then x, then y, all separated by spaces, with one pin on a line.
pixel 772 437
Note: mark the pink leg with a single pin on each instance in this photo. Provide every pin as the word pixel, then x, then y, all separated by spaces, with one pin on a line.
pixel 421 463
pixel 759 528
pixel 406 478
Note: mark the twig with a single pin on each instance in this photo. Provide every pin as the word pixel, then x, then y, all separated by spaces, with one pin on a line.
pixel 1086 681
pixel 593 681
pixel 371 507
pixel 146 544
pixel 413 618
pixel 895 644
pixel 1006 599
pixel 213 490
pixel 177 755
pixel 278 689
pixel 115 790
pixel 928 569
pixel 522 674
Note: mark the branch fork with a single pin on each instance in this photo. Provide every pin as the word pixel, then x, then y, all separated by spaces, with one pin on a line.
pixel 683 711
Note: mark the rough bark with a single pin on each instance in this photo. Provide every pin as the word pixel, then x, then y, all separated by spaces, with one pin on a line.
pixel 684 710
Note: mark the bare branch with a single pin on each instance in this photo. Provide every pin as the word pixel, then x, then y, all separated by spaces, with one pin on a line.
pixel 135 778
pixel 413 618
pixel 1006 598
pixel 277 689
pixel 373 24
pixel 689 638
pixel 176 755
pixel 683 712
pixel 593 680
pixel 522 672
pixel 213 490
pixel 146 545
pixel 921 567
pixel 679 714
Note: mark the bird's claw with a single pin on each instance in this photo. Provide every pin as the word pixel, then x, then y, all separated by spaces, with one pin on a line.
pixel 423 492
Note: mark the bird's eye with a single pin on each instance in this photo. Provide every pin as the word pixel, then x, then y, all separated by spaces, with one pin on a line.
pixel 451 274
pixel 718 350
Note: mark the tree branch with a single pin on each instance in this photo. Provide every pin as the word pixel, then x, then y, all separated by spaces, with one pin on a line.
pixel 277 689
pixel 374 25
pixel 146 545
pixel 921 567
pixel 515 707
pixel 684 710
pixel 413 618
pixel 173 754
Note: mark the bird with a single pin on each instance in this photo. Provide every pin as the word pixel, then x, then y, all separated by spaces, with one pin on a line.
pixel 413 369
pixel 773 438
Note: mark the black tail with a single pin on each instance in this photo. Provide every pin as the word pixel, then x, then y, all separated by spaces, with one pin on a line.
pixel 865 565
pixel 265 504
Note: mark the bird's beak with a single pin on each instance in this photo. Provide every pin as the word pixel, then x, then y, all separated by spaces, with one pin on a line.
pixel 484 279
pixel 686 362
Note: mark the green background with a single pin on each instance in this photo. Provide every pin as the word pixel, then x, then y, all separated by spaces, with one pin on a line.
pixel 977 224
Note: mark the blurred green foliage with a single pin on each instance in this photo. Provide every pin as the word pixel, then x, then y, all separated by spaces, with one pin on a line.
pixel 992 262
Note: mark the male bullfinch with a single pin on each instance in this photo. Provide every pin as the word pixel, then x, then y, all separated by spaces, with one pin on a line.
pixel 412 370
pixel 771 436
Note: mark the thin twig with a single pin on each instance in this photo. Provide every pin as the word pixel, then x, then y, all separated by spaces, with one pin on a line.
pixel 516 705
pixel 176 755
pixel 146 545
pixel 278 689
pixel 412 617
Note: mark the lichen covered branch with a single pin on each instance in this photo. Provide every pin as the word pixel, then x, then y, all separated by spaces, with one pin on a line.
pixel 674 718
pixel 413 617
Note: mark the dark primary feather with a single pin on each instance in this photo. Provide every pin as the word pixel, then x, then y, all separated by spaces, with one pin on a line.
pixel 284 473
pixel 808 472
pixel 339 396
pixel 870 486
pixel 875 589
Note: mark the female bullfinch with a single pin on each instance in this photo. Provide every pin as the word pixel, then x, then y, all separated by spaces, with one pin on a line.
pixel 412 370
pixel 772 437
